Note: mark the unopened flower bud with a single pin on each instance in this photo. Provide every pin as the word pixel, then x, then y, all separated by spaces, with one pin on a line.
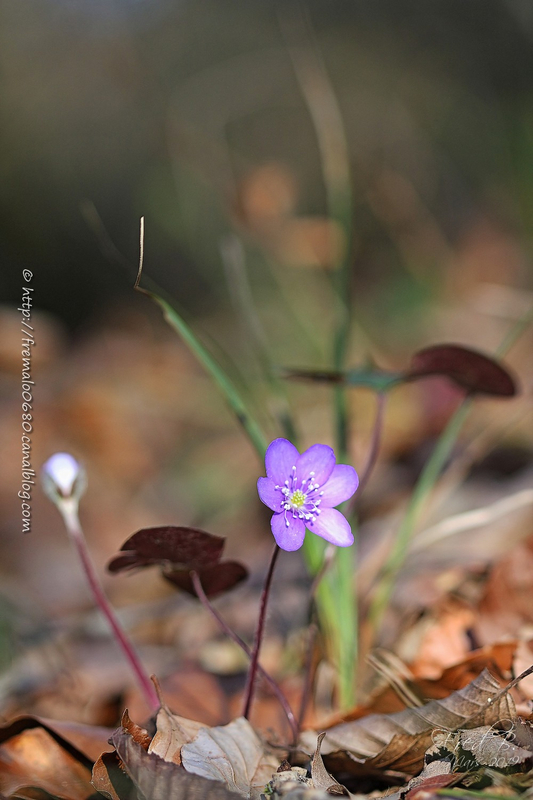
pixel 63 478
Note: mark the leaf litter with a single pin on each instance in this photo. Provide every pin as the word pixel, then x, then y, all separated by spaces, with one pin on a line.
pixel 472 738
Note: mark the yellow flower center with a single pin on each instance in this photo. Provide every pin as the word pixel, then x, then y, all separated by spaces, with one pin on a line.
pixel 297 499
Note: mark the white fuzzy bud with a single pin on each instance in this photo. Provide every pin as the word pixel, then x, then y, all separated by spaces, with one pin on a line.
pixel 63 478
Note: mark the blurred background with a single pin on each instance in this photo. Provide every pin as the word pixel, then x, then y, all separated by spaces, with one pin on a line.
pixel 197 116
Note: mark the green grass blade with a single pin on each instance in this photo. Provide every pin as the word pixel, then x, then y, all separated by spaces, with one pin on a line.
pixel 424 486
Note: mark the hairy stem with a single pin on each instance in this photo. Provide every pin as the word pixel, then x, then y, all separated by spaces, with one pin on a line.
pixel 250 681
pixel 203 598
pixel 69 512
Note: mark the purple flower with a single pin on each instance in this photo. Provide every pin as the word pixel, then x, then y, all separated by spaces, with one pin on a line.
pixel 302 490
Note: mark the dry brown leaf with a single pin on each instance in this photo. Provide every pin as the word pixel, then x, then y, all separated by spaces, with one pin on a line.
pixel 110 780
pixel 138 734
pixel 194 693
pixel 492 748
pixel 90 739
pixel 32 755
pixel 505 609
pixel 232 754
pixel 497 658
pixel 160 780
pixel 445 641
pixel 172 732
pixel 435 775
pixel 398 741
pixel 321 777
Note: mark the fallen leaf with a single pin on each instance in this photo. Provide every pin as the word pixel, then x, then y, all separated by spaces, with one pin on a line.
pixel 398 741
pixel 492 748
pixel 435 775
pixel 505 607
pixel 110 780
pixel 321 777
pixel 172 732
pixel 471 370
pixel 91 740
pixel 445 641
pixel 161 780
pixel 34 756
pixel 194 694
pixel 497 658
pixel 232 754
pixel 138 734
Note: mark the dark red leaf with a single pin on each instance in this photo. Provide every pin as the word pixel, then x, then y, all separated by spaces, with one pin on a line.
pixel 189 547
pixel 473 371
pixel 217 579
pixel 430 786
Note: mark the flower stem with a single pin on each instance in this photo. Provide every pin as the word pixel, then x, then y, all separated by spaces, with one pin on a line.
pixel 336 597
pixel 250 681
pixel 69 512
pixel 203 598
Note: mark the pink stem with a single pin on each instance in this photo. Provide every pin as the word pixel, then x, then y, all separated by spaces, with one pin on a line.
pixel 250 681
pixel 70 516
pixel 244 647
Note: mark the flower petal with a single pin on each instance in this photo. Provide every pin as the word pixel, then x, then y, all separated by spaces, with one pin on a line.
pixel 340 486
pixel 332 527
pixel 268 495
pixel 280 458
pixel 319 459
pixel 288 538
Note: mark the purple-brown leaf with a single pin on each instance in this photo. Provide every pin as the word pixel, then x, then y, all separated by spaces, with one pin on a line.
pixel 188 547
pixel 178 551
pixel 471 370
pixel 215 580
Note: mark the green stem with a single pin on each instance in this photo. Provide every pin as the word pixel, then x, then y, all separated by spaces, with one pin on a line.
pixel 336 595
pixel 233 258
pixel 219 377
pixel 425 483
